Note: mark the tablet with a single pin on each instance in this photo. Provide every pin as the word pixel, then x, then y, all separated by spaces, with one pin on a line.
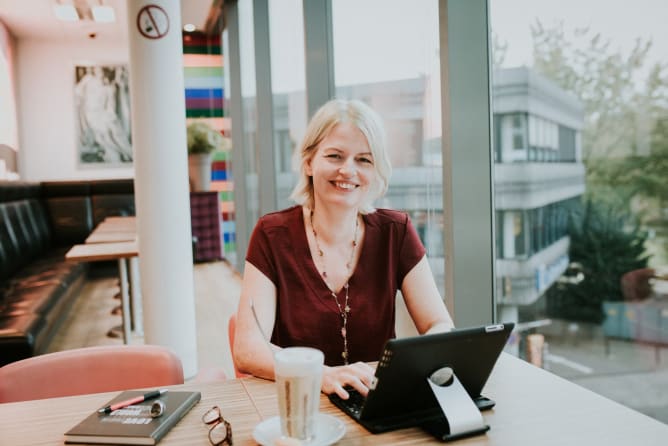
pixel 400 395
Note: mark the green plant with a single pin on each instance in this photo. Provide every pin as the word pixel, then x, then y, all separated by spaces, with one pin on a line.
pixel 202 138
pixel 605 243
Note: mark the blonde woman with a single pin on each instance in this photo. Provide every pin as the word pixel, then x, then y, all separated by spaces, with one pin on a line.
pixel 325 273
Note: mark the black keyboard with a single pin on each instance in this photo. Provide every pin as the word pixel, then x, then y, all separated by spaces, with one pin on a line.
pixel 353 405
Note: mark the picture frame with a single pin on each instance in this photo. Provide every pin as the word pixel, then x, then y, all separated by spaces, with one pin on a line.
pixel 102 114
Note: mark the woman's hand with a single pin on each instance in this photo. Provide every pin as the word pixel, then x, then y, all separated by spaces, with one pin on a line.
pixel 358 376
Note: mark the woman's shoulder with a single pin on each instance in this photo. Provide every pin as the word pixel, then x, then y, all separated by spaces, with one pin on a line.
pixel 383 217
pixel 283 218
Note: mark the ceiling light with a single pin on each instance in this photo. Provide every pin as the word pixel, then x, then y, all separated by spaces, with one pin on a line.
pixel 103 14
pixel 189 27
pixel 67 13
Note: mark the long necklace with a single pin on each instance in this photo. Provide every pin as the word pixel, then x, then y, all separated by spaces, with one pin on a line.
pixel 344 310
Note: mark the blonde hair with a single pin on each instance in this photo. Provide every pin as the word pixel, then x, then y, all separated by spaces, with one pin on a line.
pixel 332 113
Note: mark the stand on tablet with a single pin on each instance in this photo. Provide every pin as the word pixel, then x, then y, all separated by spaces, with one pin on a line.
pixel 463 416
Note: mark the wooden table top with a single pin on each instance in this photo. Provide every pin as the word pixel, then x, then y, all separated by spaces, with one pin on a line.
pixel 111 236
pixel 114 229
pixel 93 252
pixel 534 407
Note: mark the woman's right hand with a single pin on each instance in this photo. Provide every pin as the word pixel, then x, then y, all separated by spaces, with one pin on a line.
pixel 358 376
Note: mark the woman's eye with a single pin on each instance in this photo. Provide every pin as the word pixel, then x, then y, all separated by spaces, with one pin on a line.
pixel 366 160
pixel 333 156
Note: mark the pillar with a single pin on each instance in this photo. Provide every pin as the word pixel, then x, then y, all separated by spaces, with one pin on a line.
pixel 161 177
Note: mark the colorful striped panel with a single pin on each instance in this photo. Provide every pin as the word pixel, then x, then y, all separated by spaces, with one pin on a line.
pixel 209 103
pixel 204 95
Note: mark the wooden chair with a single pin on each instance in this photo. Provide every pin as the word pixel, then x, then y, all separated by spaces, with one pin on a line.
pixel 231 327
pixel 89 370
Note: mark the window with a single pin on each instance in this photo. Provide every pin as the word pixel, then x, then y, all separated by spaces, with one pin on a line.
pixel 591 122
pixel 398 74
pixel 288 83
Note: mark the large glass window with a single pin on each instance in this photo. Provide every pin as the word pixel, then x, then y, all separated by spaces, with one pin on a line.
pixel 395 69
pixel 288 84
pixel 249 105
pixel 592 191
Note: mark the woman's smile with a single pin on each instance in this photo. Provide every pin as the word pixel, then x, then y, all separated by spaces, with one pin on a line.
pixel 344 185
pixel 342 168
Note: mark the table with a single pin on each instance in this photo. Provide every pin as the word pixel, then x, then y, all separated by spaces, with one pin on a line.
pixel 95 252
pixel 659 282
pixel 534 407
pixel 123 229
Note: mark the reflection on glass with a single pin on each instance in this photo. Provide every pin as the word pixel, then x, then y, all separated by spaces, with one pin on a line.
pixel 580 143
pixel 288 84
pixel 247 51
pixel 394 67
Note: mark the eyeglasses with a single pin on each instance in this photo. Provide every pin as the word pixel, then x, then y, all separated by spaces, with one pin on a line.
pixel 221 430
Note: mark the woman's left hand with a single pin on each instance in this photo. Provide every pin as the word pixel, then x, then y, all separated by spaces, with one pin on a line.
pixel 358 376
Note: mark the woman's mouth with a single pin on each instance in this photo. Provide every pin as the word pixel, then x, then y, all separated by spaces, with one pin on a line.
pixel 343 185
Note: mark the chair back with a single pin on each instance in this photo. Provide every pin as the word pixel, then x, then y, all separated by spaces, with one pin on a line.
pixel 89 370
pixel 231 327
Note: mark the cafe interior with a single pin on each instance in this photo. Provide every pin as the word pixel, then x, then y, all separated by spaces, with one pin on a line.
pixel 123 234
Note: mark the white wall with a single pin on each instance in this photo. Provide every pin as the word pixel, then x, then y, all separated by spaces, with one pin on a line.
pixel 45 102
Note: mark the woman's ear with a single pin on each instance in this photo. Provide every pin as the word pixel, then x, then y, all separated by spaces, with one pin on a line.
pixel 308 170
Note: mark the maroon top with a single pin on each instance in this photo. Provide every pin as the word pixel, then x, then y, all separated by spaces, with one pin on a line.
pixel 306 314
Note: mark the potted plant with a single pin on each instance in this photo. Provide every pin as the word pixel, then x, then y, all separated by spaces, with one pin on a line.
pixel 203 140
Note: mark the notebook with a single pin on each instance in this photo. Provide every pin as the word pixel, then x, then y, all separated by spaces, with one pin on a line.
pixel 133 424
pixel 402 397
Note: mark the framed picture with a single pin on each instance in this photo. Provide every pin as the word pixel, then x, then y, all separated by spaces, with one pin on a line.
pixel 102 108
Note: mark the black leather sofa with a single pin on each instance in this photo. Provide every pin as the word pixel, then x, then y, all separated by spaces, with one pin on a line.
pixel 39 222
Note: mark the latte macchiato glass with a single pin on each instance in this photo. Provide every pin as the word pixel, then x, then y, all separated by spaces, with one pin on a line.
pixel 298 373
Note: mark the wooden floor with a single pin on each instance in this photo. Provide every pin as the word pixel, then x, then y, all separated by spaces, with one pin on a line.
pixel 217 288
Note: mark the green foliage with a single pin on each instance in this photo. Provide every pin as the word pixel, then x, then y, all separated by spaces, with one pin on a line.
pixel 202 138
pixel 620 106
pixel 605 245
pixel 625 135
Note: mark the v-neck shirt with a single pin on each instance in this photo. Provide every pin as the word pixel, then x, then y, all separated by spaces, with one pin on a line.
pixel 306 313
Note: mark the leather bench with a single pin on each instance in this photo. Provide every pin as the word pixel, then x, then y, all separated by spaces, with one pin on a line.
pixel 39 222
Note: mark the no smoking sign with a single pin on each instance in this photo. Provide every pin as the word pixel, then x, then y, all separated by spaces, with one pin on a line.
pixel 152 22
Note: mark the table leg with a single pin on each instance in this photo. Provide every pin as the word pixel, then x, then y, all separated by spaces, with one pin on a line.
pixel 137 321
pixel 125 300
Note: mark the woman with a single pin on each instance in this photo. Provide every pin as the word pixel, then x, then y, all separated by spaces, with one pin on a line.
pixel 325 273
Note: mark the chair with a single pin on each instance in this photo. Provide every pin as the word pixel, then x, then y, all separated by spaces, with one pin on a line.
pixel 89 370
pixel 635 284
pixel 231 327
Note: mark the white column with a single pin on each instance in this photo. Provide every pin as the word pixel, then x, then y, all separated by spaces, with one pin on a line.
pixel 161 177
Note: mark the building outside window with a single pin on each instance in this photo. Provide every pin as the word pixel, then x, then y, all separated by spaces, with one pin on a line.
pixel 582 74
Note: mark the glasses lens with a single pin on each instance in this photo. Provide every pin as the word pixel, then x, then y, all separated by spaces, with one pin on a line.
pixel 221 434
pixel 212 415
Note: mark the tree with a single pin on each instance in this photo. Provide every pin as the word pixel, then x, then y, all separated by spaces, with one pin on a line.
pixel 605 249
pixel 625 135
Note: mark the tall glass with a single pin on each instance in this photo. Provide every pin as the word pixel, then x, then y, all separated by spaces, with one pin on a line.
pixel 298 373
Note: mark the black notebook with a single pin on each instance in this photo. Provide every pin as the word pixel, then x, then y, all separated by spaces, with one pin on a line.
pixel 401 397
pixel 133 424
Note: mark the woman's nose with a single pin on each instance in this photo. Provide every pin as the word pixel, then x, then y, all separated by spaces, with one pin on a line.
pixel 348 167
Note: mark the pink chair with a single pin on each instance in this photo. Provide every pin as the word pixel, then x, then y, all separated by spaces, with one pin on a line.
pixel 231 327
pixel 89 370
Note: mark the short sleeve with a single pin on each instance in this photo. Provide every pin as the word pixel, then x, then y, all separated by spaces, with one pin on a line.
pixel 260 254
pixel 411 251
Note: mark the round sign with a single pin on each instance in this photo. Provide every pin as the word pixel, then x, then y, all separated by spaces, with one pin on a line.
pixel 152 22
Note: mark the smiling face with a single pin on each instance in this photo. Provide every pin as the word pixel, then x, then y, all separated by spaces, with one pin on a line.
pixel 342 167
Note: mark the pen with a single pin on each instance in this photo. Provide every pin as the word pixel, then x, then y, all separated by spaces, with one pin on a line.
pixel 131 401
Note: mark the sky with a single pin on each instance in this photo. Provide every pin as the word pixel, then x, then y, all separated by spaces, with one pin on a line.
pixel 381 40
pixel 620 21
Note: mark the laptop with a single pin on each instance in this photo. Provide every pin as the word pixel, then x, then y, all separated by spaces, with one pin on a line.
pixel 401 396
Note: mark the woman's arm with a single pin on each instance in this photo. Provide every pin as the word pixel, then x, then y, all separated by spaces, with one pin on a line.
pixel 423 301
pixel 252 352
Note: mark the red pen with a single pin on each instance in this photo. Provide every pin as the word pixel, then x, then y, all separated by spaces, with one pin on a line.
pixel 131 401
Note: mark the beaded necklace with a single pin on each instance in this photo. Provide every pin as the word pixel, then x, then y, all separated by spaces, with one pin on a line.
pixel 345 310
